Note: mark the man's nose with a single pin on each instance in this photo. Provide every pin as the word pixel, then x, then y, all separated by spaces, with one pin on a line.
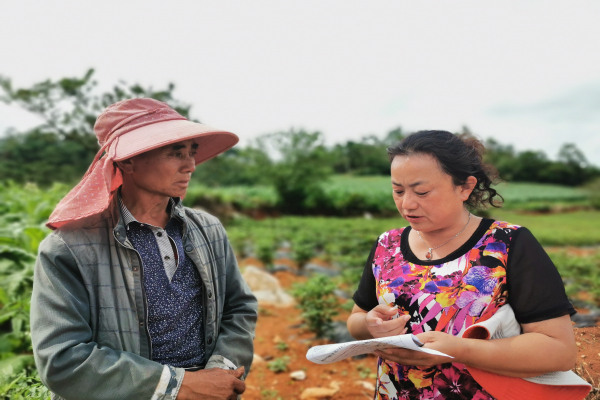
pixel 190 164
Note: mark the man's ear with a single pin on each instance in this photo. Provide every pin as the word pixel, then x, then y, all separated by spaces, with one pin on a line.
pixel 468 187
pixel 126 166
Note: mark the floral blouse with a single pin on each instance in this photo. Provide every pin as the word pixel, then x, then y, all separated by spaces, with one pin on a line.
pixel 449 295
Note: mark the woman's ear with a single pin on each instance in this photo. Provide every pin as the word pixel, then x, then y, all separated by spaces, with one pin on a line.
pixel 126 166
pixel 467 188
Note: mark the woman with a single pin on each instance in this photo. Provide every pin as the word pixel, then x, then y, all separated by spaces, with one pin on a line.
pixel 450 269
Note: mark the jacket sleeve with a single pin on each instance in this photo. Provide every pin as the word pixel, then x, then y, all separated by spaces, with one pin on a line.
pixel 236 334
pixel 69 362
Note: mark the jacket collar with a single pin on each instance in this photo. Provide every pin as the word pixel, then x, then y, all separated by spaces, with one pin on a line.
pixel 120 222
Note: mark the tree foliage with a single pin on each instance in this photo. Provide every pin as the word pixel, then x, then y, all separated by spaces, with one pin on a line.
pixel 300 167
pixel 295 162
pixel 571 168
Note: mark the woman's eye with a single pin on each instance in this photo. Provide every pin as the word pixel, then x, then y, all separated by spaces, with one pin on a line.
pixel 399 193
pixel 421 194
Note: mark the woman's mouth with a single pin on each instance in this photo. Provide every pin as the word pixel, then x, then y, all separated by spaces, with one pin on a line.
pixel 412 218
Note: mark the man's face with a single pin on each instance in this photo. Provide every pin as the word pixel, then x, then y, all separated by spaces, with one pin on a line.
pixel 165 171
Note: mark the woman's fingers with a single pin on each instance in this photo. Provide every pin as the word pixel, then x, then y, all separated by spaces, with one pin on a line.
pixel 407 357
pixel 380 328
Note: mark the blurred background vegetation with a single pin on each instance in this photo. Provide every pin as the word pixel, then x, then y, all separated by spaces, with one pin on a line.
pixel 284 189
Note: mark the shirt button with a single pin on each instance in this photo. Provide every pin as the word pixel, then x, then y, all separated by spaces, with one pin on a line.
pixel 188 248
pixel 181 214
pixel 167 258
pixel 141 324
pixel 210 294
pixel 210 340
pixel 159 234
pixel 135 268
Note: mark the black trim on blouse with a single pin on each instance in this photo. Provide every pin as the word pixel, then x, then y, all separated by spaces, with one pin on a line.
pixel 409 256
pixel 535 289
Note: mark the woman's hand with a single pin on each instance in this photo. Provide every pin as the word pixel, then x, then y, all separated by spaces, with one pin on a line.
pixel 380 323
pixel 447 344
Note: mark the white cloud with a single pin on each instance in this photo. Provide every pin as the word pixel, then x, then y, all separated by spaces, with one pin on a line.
pixel 346 68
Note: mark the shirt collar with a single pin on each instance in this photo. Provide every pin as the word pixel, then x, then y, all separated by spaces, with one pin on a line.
pixel 128 216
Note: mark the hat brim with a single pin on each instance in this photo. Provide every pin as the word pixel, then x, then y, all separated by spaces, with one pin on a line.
pixel 211 141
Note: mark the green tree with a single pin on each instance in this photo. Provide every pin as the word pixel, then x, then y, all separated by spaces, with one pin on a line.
pixel 368 156
pixel 300 167
pixel 238 166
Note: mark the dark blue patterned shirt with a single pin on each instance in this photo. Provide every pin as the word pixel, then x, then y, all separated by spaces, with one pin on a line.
pixel 173 290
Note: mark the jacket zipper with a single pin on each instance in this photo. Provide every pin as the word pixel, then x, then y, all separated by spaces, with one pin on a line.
pixel 148 337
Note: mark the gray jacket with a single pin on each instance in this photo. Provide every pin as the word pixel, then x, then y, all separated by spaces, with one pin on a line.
pixel 88 311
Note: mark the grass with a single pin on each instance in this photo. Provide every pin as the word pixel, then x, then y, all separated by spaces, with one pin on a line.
pixel 347 195
pixel 577 228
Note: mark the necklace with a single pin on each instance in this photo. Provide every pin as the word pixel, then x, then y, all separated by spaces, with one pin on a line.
pixel 429 254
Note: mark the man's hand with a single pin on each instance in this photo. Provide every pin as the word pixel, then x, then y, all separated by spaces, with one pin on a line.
pixel 209 384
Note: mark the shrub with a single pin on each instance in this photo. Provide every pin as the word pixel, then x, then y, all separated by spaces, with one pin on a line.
pixel 317 302
pixel 302 251
pixel 265 252
pixel 594 193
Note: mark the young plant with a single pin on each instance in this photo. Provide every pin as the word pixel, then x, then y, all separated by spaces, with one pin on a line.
pixel 279 364
pixel 282 346
pixel 265 251
pixel 318 303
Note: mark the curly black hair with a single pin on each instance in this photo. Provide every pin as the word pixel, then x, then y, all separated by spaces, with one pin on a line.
pixel 460 156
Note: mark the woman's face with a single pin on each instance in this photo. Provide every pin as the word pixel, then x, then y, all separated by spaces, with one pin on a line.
pixel 425 195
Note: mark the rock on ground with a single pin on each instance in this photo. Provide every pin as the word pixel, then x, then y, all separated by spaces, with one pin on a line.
pixel 266 287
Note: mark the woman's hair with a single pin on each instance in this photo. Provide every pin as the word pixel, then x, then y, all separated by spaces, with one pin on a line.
pixel 460 156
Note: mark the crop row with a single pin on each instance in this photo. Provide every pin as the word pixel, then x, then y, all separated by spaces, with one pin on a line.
pixel 354 195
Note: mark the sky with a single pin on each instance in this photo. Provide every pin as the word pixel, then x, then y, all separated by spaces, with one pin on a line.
pixel 526 73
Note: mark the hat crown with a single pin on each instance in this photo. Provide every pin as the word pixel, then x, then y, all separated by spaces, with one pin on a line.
pixel 127 115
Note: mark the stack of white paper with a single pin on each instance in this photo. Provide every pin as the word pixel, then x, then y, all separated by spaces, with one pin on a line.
pixel 330 353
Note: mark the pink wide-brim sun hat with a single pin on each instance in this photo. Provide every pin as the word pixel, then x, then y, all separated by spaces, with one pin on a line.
pixel 124 130
pixel 211 141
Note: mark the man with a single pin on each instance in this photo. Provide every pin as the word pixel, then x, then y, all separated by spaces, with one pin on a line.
pixel 136 296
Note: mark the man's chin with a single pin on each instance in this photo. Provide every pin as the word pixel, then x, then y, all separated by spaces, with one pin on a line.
pixel 176 193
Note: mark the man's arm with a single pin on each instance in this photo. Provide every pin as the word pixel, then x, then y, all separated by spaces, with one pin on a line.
pixel 235 340
pixel 68 361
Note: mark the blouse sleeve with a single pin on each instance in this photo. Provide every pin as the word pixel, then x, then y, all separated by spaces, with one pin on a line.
pixel 366 296
pixel 535 288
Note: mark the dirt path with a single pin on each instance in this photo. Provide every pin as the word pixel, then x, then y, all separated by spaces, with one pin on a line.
pixel 355 377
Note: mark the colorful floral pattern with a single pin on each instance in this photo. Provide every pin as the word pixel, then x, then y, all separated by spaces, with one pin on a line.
pixel 448 297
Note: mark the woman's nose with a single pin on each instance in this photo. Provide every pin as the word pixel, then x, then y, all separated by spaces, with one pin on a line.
pixel 408 202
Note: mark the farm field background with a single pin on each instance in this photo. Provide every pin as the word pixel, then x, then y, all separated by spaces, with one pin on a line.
pixel 560 217
pixel 354 195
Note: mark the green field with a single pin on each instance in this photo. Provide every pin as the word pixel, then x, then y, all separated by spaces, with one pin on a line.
pixel 355 195
pixel 577 228
pixel 343 242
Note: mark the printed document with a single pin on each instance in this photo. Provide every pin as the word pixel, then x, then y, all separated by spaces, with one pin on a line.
pixel 330 353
